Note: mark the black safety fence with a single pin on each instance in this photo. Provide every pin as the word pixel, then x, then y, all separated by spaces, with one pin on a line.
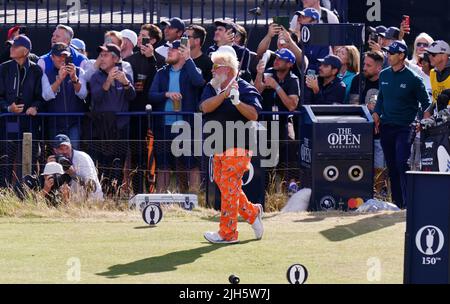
pixel 153 11
pixel 139 153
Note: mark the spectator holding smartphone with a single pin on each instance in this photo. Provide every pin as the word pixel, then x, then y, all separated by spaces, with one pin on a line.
pixel 111 91
pixel 173 30
pixel 327 88
pixel 64 90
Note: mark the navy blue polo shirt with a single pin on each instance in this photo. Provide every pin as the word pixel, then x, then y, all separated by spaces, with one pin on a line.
pixel 227 112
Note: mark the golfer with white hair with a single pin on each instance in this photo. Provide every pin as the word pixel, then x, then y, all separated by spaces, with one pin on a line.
pixel 228 99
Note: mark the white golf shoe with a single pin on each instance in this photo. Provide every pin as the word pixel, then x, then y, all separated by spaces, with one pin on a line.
pixel 258 225
pixel 215 238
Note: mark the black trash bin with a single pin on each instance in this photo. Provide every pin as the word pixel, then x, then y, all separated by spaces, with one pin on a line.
pixel 336 154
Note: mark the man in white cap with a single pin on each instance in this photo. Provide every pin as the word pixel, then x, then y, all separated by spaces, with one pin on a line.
pixel 439 52
pixel 129 42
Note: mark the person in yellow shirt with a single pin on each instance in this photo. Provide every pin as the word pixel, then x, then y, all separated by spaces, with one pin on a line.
pixel 439 52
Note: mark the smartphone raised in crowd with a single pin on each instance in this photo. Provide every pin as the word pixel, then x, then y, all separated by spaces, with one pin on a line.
pixel 283 21
pixel 68 60
pixel 119 66
pixel 145 41
pixel 184 40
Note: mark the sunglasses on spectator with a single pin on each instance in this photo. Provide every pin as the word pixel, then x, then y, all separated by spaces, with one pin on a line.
pixel 422 44
pixel 217 66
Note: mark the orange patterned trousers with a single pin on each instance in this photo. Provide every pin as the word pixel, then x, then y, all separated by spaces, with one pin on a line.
pixel 229 168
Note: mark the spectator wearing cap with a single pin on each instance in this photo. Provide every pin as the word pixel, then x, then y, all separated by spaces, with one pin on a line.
pixel 11 35
pixel 93 65
pixel 312 52
pixel 82 170
pixel 401 92
pixel 20 93
pixel 197 35
pixel 111 91
pixel 175 88
pixel 64 34
pixel 79 46
pixel 285 40
pixel 280 92
pixel 64 90
pixel 145 63
pixel 225 34
pixel 129 42
pixel 173 30
pixel 231 158
pixel 439 52
pixel 328 87
pixel 326 15
pixel 350 58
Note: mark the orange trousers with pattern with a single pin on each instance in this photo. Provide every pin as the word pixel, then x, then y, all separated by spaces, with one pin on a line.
pixel 229 168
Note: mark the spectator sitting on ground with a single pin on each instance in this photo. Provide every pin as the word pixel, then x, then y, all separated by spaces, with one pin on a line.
pixel 129 42
pixel 79 166
pixel 349 56
pixel 64 90
pixel 64 34
pixel 327 88
pixel 55 188
pixel 173 30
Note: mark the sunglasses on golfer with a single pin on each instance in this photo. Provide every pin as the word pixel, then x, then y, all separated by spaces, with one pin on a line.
pixel 217 66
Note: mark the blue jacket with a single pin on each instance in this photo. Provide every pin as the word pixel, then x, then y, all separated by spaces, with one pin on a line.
pixel 66 101
pixel 77 59
pixel 191 80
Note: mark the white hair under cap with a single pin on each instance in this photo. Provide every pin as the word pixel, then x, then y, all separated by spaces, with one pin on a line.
pixel 226 49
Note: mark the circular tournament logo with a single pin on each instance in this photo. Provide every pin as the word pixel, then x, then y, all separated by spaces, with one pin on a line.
pixel 297 274
pixel 306 34
pixel 152 214
pixel 327 203
pixel 429 240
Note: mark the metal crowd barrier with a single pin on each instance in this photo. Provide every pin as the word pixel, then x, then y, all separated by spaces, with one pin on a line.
pixel 130 146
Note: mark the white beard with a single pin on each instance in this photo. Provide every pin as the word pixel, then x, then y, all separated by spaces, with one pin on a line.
pixel 217 81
